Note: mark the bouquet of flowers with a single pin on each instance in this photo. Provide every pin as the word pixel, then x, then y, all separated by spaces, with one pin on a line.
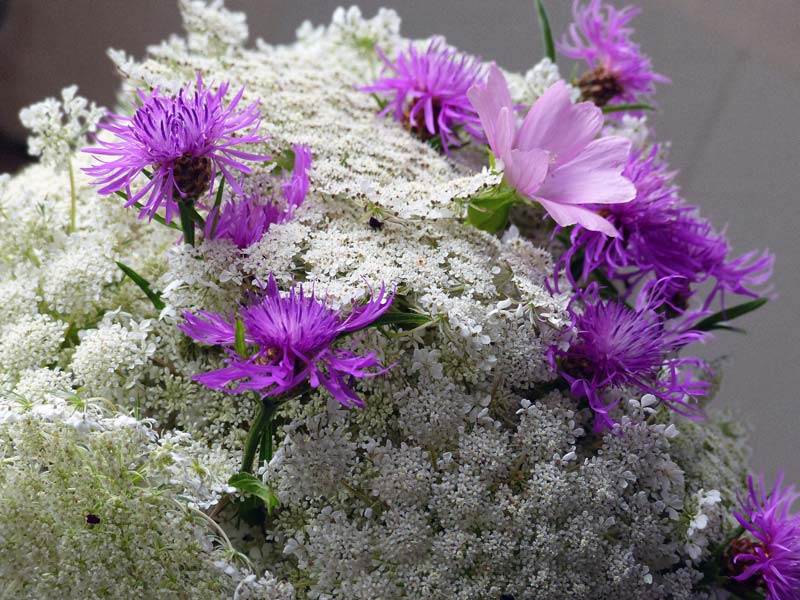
pixel 364 317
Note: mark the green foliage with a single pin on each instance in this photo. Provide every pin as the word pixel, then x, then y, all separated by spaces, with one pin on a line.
pixel 719 320
pixel 250 484
pixel 144 285
pixel 547 34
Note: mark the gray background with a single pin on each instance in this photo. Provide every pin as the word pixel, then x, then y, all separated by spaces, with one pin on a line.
pixel 731 113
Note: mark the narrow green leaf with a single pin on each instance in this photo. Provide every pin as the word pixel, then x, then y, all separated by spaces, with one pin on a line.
pixel 547 34
pixel 245 482
pixel 217 203
pixel 238 341
pixel 402 320
pixel 382 102
pixel 144 285
pixel 624 107
pixel 720 319
pixel 156 217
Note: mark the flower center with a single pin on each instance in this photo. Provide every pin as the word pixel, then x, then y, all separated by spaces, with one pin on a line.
pixel 270 356
pixel 192 176
pixel 599 86
pixel 420 129
pixel 733 568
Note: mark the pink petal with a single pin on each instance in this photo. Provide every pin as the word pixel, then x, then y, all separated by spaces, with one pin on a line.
pixel 594 177
pixel 565 215
pixel 557 125
pixel 525 170
pixel 488 100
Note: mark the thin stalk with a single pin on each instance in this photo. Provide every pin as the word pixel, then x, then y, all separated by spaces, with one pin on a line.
pixel 265 453
pixel 260 434
pixel 186 208
pixel 73 195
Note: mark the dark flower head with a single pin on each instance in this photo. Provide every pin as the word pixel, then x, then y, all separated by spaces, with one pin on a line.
pixel 772 558
pixel 293 337
pixel 246 220
pixel 615 347
pixel 661 236
pixel 186 140
pixel 600 36
pixel 428 91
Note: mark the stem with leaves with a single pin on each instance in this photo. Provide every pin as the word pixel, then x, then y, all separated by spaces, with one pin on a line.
pixel 260 435
pixel 186 208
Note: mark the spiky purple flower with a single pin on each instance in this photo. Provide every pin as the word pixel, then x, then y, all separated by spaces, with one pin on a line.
pixel 615 347
pixel 245 220
pixel 661 236
pixel 600 36
pixel 771 559
pixel 294 337
pixel 186 140
pixel 428 90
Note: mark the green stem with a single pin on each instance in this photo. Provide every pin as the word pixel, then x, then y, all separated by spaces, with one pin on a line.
pixel 265 452
pixel 73 193
pixel 186 208
pixel 257 436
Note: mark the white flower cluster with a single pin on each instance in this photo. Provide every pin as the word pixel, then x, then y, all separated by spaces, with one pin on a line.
pixel 469 474
pixel 59 127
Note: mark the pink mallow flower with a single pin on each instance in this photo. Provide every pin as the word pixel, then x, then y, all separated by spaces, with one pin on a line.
pixel 554 157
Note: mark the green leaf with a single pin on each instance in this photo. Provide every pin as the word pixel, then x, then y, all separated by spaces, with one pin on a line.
pixel 547 34
pixel 382 102
pixel 624 107
pixel 250 484
pixel 284 161
pixel 239 344
pixel 144 285
pixel 156 217
pixel 402 320
pixel 490 213
pixel 720 319
pixel 217 202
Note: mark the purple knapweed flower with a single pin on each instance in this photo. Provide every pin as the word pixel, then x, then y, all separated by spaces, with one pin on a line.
pixel 614 347
pixel 186 140
pixel 600 36
pixel 769 556
pixel 428 90
pixel 245 221
pixel 554 158
pixel 661 236
pixel 293 337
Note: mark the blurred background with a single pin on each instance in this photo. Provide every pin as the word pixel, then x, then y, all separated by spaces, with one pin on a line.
pixel 732 113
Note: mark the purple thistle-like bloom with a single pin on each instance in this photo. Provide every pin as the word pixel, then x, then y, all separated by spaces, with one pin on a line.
pixel 187 140
pixel 600 36
pixel 429 92
pixel 293 336
pixel 616 347
pixel 660 236
pixel 246 220
pixel 773 559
